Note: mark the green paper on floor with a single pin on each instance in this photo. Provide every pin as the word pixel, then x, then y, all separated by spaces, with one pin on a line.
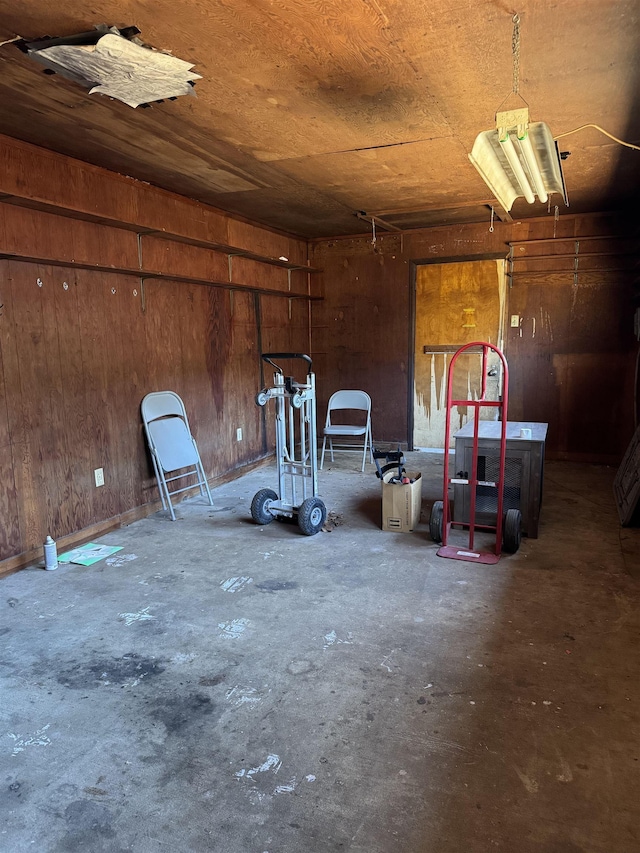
pixel 87 555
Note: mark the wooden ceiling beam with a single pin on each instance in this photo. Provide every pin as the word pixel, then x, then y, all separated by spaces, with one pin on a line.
pixel 500 213
pixel 433 208
pixel 369 217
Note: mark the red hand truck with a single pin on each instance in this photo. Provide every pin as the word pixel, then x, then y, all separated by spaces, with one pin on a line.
pixel 507 529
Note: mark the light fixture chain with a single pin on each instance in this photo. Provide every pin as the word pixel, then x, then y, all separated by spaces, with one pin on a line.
pixel 515 47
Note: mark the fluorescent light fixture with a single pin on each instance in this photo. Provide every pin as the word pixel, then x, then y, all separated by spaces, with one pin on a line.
pixel 519 159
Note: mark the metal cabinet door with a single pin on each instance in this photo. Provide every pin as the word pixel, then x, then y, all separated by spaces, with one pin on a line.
pixel 517 482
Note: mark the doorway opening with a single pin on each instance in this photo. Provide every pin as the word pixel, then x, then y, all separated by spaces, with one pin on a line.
pixel 456 303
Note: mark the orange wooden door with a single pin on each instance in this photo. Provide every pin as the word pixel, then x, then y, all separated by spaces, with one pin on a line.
pixel 456 303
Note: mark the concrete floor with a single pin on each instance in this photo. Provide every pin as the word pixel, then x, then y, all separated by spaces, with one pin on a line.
pixel 349 691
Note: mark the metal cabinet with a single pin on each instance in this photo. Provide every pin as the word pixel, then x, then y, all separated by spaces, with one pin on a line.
pixel 523 472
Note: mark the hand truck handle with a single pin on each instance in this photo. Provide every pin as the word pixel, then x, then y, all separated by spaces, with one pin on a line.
pixel 268 356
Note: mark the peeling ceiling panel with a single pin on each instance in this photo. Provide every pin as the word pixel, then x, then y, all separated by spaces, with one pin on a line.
pixel 116 66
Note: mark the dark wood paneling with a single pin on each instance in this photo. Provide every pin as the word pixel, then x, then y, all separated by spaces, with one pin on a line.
pixel 241 384
pixel 39 177
pixel 169 257
pixel 100 244
pixel 50 178
pixel 80 358
pixel 36 235
pixel 79 352
pixel 570 363
pixel 217 344
pixel 284 326
pixel 165 211
pixel 125 382
pixel 220 376
pixel 5 303
pixel 247 271
pixel 163 350
pixel 9 528
pixel 361 334
pixel 68 507
pixel 31 233
pixel 262 241
pixel 102 376
pixel 204 357
pixel 32 393
pixel 208 355
pixel 300 281
pixel 8 333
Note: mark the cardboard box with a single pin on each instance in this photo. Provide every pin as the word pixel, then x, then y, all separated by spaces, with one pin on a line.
pixel 401 503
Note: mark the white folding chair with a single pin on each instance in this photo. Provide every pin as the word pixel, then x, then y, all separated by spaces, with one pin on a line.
pixel 353 400
pixel 172 446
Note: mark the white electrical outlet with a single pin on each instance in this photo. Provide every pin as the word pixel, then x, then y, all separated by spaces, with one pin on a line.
pixel 99 476
pixel 239 434
pixel 515 321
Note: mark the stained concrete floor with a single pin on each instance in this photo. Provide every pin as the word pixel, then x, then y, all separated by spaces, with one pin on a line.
pixel 349 691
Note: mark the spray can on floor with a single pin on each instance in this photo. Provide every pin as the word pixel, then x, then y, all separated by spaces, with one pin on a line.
pixel 50 554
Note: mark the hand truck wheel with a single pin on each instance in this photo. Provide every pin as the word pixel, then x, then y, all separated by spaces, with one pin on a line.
pixel 435 521
pixel 512 531
pixel 312 514
pixel 260 506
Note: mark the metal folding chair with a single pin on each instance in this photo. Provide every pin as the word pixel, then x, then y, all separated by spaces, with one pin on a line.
pixel 343 400
pixel 172 446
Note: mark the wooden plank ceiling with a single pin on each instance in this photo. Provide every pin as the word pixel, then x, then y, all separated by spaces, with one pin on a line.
pixel 310 110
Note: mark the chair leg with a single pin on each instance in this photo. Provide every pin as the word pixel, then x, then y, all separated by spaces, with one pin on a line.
pixel 163 488
pixel 202 477
pixel 367 438
pixel 324 444
pixel 204 485
pixel 163 485
pixel 156 470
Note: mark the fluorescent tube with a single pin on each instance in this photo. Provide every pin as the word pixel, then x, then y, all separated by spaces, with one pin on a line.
pixel 529 156
pixel 518 171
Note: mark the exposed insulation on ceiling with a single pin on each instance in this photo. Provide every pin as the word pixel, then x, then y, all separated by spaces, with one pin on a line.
pixel 117 67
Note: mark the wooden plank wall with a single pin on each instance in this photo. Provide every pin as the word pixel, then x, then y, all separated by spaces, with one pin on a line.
pixel 360 330
pixel 572 357
pixel 79 348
